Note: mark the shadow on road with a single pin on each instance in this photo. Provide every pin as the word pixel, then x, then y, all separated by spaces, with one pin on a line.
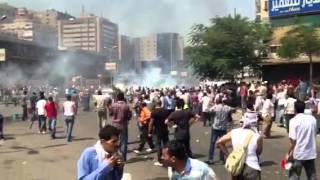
pixel 138 159
pixel 268 163
pixel 134 142
pixel 22 134
pixel 83 139
pixel 52 146
pixel 277 137
pixel 29 150
pixel 198 156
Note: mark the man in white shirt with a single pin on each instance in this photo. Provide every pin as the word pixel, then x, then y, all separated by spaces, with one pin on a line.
pixel 281 99
pixel 69 111
pixel 101 108
pixel 267 113
pixel 205 101
pixel 289 109
pixel 41 113
pixel 302 147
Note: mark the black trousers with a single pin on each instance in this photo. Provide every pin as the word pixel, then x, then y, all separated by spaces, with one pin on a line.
pixel 186 143
pixel 24 113
pixel 144 138
pixel 309 167
pixel 161 140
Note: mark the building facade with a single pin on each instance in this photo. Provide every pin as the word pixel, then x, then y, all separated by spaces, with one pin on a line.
pixel 90 33
pixel 29 28
pixel 283 16
pixel 126 54
pixel 169 50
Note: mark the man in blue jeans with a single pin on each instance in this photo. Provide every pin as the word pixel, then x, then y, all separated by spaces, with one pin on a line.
pixel 69 111
pixel 222 114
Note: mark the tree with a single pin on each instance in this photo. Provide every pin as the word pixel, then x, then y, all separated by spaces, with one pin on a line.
pixel 224 48
pixel 301 40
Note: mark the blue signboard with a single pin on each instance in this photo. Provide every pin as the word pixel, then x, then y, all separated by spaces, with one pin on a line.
pixel 292 7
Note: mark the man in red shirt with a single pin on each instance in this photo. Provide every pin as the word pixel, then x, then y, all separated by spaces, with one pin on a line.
pixel 51 109
pixel 243 94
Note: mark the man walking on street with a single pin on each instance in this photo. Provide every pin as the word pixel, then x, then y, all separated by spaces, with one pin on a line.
pixel 302 146
pixel 33 102
pixel 181 121
pixel 24 106
pixel 121 114
pixel 206 104
pixel 157 125
pixel 69 112
pixel 41 113
pixel 222 116
pixel 144 120
pixel 101 109
pixel 51 109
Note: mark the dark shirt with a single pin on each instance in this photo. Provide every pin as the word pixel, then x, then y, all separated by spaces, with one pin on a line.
pixel 159 116
pixel 33 101
pixel 181 118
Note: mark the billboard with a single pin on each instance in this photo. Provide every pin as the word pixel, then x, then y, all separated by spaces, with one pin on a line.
pixel 292 7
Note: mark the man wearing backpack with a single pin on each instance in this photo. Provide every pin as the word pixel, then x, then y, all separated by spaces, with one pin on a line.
pixel 247 146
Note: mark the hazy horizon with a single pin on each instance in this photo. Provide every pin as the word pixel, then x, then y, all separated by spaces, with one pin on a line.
pixel 145 17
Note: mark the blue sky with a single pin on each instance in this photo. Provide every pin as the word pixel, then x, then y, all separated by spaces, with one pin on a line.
pixel 144 17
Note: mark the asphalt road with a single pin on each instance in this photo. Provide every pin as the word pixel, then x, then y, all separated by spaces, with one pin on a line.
pixel 26 155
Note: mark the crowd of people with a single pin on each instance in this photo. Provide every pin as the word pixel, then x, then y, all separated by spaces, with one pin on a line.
pixel 294 107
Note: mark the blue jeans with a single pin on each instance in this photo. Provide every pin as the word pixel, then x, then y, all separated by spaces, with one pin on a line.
pixel 215 134
pixel 52 126
pixel 124 143
pixel 69 123
pixel 42 123
pixel 280 115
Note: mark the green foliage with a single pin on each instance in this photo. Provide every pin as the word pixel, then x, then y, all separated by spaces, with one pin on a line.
pixel 302 39
pixel 222 49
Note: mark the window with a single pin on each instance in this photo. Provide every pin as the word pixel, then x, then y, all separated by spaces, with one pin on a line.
pixel 266 6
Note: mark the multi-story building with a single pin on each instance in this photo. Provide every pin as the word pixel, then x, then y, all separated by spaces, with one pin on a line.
pixel 90 33
pixel 148 48
pixel 29 28
pixel 169 50
pixel 126 53
pixel 262 13
pixel 162 50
